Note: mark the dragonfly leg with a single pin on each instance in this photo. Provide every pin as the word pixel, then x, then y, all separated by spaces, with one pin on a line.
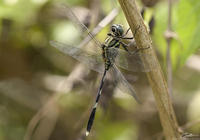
pixel 126 32
pixel 137 50
pixel 124 45
pixel 127 37
pixel 92 114
pixel 123 37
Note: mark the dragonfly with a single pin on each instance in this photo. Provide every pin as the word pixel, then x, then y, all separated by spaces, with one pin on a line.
pixel 108 60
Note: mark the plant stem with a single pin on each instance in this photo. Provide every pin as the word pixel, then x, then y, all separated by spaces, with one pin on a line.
pixel 168 40
pixel 155 77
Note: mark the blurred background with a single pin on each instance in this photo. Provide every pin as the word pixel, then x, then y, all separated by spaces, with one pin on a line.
pixel 46 95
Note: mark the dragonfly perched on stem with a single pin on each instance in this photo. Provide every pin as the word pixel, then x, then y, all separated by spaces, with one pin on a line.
pixel 110 57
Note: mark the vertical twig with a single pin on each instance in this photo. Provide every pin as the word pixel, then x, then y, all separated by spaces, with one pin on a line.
pixel 168 40
pixel 155 77
pixel 95 9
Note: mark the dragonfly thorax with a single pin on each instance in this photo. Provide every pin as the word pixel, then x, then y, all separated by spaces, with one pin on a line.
pixel 111 45
pixel 109 54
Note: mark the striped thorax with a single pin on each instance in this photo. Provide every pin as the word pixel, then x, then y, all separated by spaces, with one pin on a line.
pixel 112 41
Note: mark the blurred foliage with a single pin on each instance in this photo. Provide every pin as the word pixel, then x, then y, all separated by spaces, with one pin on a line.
pixel 185 23
pixel 30 69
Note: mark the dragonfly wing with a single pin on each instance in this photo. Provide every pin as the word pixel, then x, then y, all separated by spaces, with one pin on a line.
pixel 94 62
pixel 122 83
pixel 133 62
pixel 70 14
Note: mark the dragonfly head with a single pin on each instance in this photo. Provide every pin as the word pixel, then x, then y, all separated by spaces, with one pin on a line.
pixel 117 29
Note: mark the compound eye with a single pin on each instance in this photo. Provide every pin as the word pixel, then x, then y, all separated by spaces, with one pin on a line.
pixel 113 29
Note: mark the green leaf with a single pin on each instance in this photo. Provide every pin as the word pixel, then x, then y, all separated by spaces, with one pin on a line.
pixel 185 23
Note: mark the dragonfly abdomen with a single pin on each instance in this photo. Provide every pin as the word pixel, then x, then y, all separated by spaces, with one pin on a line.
pixel 105 57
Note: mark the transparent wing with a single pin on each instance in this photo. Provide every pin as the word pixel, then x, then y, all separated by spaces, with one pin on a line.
pixel 133 62
pixel 94 62
pixel 70 14
pixel 122 83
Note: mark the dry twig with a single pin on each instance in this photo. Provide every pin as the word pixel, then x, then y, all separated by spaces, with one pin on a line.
pixel 155 77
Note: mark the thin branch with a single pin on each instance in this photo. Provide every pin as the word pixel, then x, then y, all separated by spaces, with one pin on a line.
pixel 168 40
pixel 155 77
pixel 44 111
pixel 190 124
